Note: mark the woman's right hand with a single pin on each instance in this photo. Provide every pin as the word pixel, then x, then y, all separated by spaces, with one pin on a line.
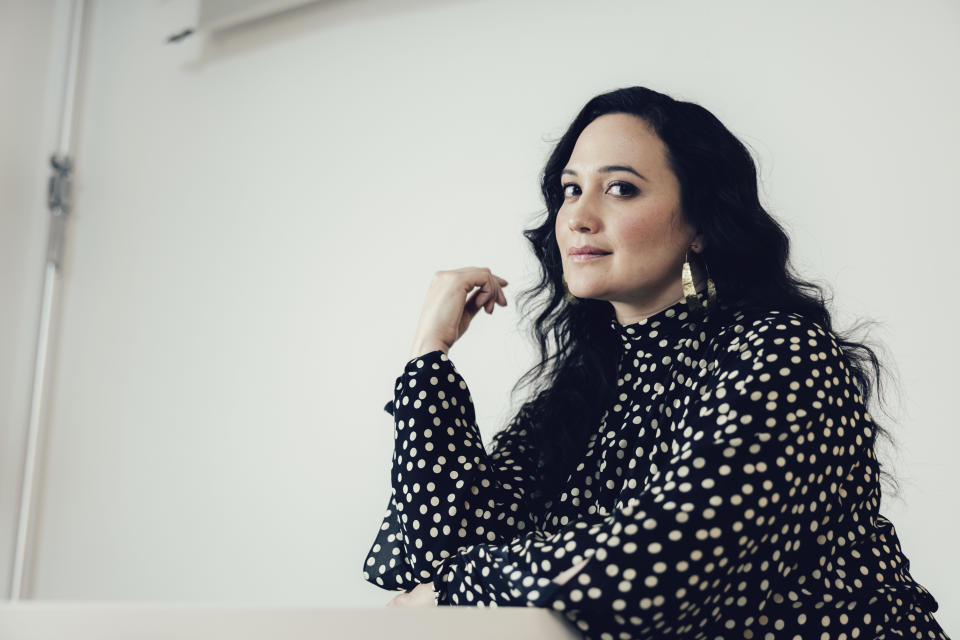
pixel 450 306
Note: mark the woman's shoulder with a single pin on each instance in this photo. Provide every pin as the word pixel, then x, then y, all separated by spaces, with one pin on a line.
pixel 770 334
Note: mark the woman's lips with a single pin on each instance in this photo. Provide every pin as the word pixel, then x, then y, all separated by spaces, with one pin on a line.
pixel 588 257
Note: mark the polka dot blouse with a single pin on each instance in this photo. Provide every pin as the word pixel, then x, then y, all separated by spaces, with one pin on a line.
pixel 730 491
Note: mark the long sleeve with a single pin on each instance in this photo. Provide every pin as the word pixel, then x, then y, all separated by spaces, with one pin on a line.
pixel 447 491
pixel 745 486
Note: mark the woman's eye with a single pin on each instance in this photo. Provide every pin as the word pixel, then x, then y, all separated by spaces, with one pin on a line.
pixel 626 189
pixel 567 189
pixel 621 189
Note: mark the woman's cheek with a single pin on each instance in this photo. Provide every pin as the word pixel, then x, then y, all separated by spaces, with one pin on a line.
pixel 634 234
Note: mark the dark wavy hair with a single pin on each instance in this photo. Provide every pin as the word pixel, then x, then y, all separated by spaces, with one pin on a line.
pixel 746 253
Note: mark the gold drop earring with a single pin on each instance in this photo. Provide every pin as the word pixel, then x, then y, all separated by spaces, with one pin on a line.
pixel 690 290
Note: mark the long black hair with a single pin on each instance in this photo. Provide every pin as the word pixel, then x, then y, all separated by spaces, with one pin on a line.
pixel 746 254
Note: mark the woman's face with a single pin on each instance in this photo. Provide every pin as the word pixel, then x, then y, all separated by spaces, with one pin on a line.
pixel 620 197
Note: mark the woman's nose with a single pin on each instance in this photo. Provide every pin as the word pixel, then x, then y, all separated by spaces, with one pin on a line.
pixel 582 218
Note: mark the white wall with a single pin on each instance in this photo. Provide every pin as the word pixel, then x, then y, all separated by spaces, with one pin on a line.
pixel 31 67
pixel 258 215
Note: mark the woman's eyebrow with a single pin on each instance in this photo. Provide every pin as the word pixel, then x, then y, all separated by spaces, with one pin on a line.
pixel 610 168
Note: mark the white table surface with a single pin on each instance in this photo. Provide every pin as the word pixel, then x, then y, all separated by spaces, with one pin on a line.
pixel 69 620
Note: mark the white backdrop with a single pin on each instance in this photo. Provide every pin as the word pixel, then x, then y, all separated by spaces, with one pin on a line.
pixel 258 215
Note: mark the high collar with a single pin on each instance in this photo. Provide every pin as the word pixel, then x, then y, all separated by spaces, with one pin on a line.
pixel 669 324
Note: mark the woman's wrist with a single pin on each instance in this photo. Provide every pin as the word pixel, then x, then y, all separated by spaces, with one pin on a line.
pixel 425 348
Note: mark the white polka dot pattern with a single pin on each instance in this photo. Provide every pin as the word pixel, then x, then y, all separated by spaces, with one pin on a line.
pixel 728 495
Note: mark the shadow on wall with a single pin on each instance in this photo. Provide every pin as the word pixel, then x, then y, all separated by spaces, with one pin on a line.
pixel 286 25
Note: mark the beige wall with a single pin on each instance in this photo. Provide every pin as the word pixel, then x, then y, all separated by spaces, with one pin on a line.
pixel 258 215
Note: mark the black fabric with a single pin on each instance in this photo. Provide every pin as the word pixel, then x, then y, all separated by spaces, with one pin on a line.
pixel 730 491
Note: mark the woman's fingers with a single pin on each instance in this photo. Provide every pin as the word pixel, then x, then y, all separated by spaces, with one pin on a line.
pixel 422 595
pixel 445 315
pixel 488 294
pixel 484 299
pixel 483 275
pixel 495 295
pixel 498 297
pixel 501 298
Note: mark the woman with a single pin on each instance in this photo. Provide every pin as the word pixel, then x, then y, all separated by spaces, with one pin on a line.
pixel 697 460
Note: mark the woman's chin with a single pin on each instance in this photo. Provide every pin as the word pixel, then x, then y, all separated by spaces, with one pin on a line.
pixel 589 294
